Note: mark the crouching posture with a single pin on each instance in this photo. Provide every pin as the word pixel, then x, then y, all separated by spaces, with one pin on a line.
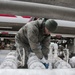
pixel 34 37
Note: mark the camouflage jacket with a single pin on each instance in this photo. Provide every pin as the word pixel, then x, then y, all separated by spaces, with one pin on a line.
pixel 32 35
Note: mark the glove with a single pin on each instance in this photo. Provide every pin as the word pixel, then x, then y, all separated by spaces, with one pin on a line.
pixel 46 65
pixel 45 62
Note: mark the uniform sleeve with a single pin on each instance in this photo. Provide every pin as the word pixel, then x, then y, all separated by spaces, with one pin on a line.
pixel 45 46
pixel 32 34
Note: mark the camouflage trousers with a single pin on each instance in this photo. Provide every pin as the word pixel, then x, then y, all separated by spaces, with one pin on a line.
pixel 23 51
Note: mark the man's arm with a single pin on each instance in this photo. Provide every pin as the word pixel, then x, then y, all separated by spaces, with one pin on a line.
pixel 45 46
pixel 32 34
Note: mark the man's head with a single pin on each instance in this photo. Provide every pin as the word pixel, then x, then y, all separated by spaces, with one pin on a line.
pixel 51 25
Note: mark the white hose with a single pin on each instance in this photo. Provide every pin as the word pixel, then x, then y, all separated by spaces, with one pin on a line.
pixel 10 61
pixel 72 62
pixel 61 64
pixel 34 63
pixel 53 52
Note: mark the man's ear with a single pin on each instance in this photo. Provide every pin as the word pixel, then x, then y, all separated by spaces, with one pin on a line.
pixel 45 19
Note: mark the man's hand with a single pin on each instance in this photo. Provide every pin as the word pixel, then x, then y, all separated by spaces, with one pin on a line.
pixel 45 62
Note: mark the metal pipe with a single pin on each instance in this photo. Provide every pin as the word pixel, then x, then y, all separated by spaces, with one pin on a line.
pixel 68 3
pixel 36 9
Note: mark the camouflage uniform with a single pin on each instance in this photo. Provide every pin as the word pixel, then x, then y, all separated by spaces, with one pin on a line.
pixel 31 38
